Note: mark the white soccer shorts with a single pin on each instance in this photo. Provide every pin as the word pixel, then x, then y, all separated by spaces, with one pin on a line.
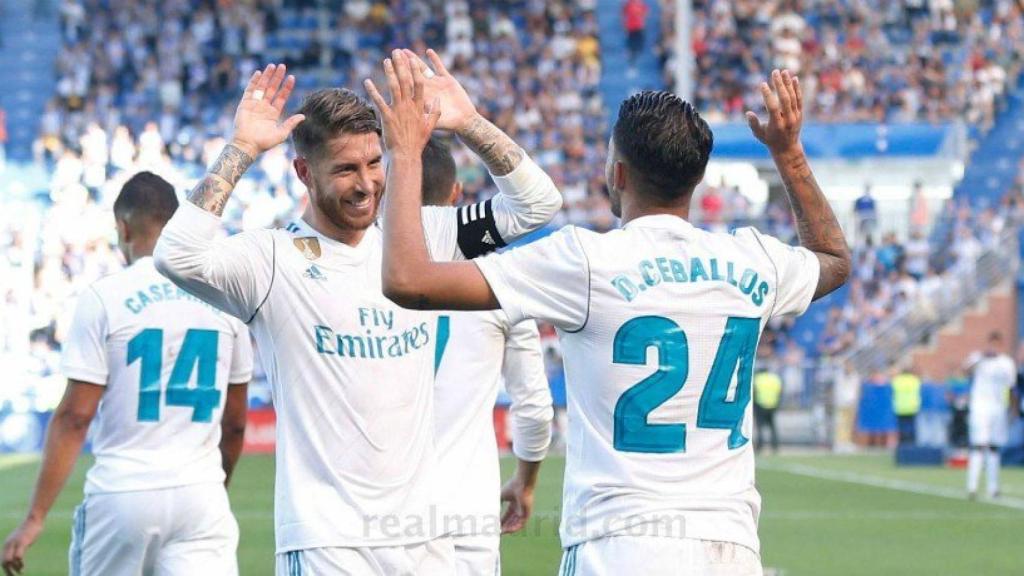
pixel 477 555
pixel 432 558
pixel 617 555
pixel 186 531
pixel 988 427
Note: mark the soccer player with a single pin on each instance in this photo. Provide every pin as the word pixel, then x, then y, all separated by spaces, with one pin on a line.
pixel 165 378
pixel 993 377
pixel 352 374
pixel 476 351
pixel 658 322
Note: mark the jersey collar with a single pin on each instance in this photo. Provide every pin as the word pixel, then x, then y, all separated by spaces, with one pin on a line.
pixel 299 228
pixel 663 221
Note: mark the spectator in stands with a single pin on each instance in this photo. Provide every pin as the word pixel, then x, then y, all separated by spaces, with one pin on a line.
pixel 845 394
pixel 859 61
pixel 906 401
pixel 918 209
pixel 634 20
pixel 915 255
pixel 767 395
pixel 866 212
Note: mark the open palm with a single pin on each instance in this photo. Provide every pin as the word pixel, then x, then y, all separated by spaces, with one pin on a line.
pixel 258 125
pixel 457 109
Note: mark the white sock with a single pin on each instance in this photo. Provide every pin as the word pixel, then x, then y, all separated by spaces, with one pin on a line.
pixel 992 464
pixel 974 463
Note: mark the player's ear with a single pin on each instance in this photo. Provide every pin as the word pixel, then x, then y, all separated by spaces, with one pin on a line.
pixel 301 166
pixel 619 175
pixel 123 231
pixel 456 196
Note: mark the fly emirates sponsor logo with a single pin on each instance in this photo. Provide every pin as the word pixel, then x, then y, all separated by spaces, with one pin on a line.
pixel 377 339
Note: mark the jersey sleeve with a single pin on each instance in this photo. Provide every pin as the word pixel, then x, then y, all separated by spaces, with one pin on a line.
pixel 527 386
pixel 241 356
pixel 797 270
pixel 85 351
pixel 546 280
pixel 233 274
pixel 527 200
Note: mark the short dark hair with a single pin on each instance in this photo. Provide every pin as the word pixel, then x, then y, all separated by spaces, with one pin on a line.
pixel 331 112
pixel 438 172
pixel 146 199
pixel 664 141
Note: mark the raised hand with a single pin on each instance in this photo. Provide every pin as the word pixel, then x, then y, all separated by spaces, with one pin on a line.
pixel 785 102
pixel 407 121
pixel 258 125
pixel 457 110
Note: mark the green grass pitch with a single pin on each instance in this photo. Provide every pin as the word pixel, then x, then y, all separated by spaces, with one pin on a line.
pixel 822 515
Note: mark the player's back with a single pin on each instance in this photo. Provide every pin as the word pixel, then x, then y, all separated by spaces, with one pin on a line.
pixel 990 386
pixel 166 360
pixel 659 377
pixel 468 372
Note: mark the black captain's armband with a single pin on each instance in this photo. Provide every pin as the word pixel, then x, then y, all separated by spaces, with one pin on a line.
pixel 477 232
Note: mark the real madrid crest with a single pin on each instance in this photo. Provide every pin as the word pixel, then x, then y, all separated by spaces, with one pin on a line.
pixel 310 247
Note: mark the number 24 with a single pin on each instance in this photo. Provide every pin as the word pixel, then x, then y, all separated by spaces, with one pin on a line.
pixel 735 355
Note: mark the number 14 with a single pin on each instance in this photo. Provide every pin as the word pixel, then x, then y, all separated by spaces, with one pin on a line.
pixel 198 350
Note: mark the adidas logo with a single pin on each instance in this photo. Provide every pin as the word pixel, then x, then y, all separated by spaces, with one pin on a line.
pixel 487 238
pixel 314 273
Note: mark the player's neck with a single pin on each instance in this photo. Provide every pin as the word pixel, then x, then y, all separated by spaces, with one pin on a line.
pixel 140 249
pixel 324 226
pixel 633 210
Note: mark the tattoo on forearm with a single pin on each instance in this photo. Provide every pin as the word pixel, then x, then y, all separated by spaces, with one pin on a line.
pixel 817 226
pixel 213 191
pixel 499 152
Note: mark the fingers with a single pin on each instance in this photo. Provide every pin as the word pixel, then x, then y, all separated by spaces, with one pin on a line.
pixel 292 122
pixel 418 63
pixel 781 92
pixel 789 81
pixel 771 102
pixel 433 112
pixel 378 100
pixel 393 87
pixel 799 94
pixel 251 86
pixel 755 125
pixel 436 62
pixel 281 98
pixel 404 71
pixel 417 81
pixel 263 82
pixel 274 84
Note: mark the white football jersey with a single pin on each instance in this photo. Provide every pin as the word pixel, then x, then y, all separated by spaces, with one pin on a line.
pixel 992 380
pixel 476 352
pixel 166 360
pixel 659 323
pixel 351 372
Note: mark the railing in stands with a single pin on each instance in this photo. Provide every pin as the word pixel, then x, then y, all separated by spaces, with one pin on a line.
pixel 962 287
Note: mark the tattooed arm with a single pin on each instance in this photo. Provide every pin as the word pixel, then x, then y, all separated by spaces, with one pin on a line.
pixel 213 191
pixel 499 152
pixel 527 200
pixel 233 274
pixel 817 226
pixel 257 129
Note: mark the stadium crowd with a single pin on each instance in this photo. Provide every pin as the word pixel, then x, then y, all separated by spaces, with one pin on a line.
pixel 151 85
pixel 861 60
